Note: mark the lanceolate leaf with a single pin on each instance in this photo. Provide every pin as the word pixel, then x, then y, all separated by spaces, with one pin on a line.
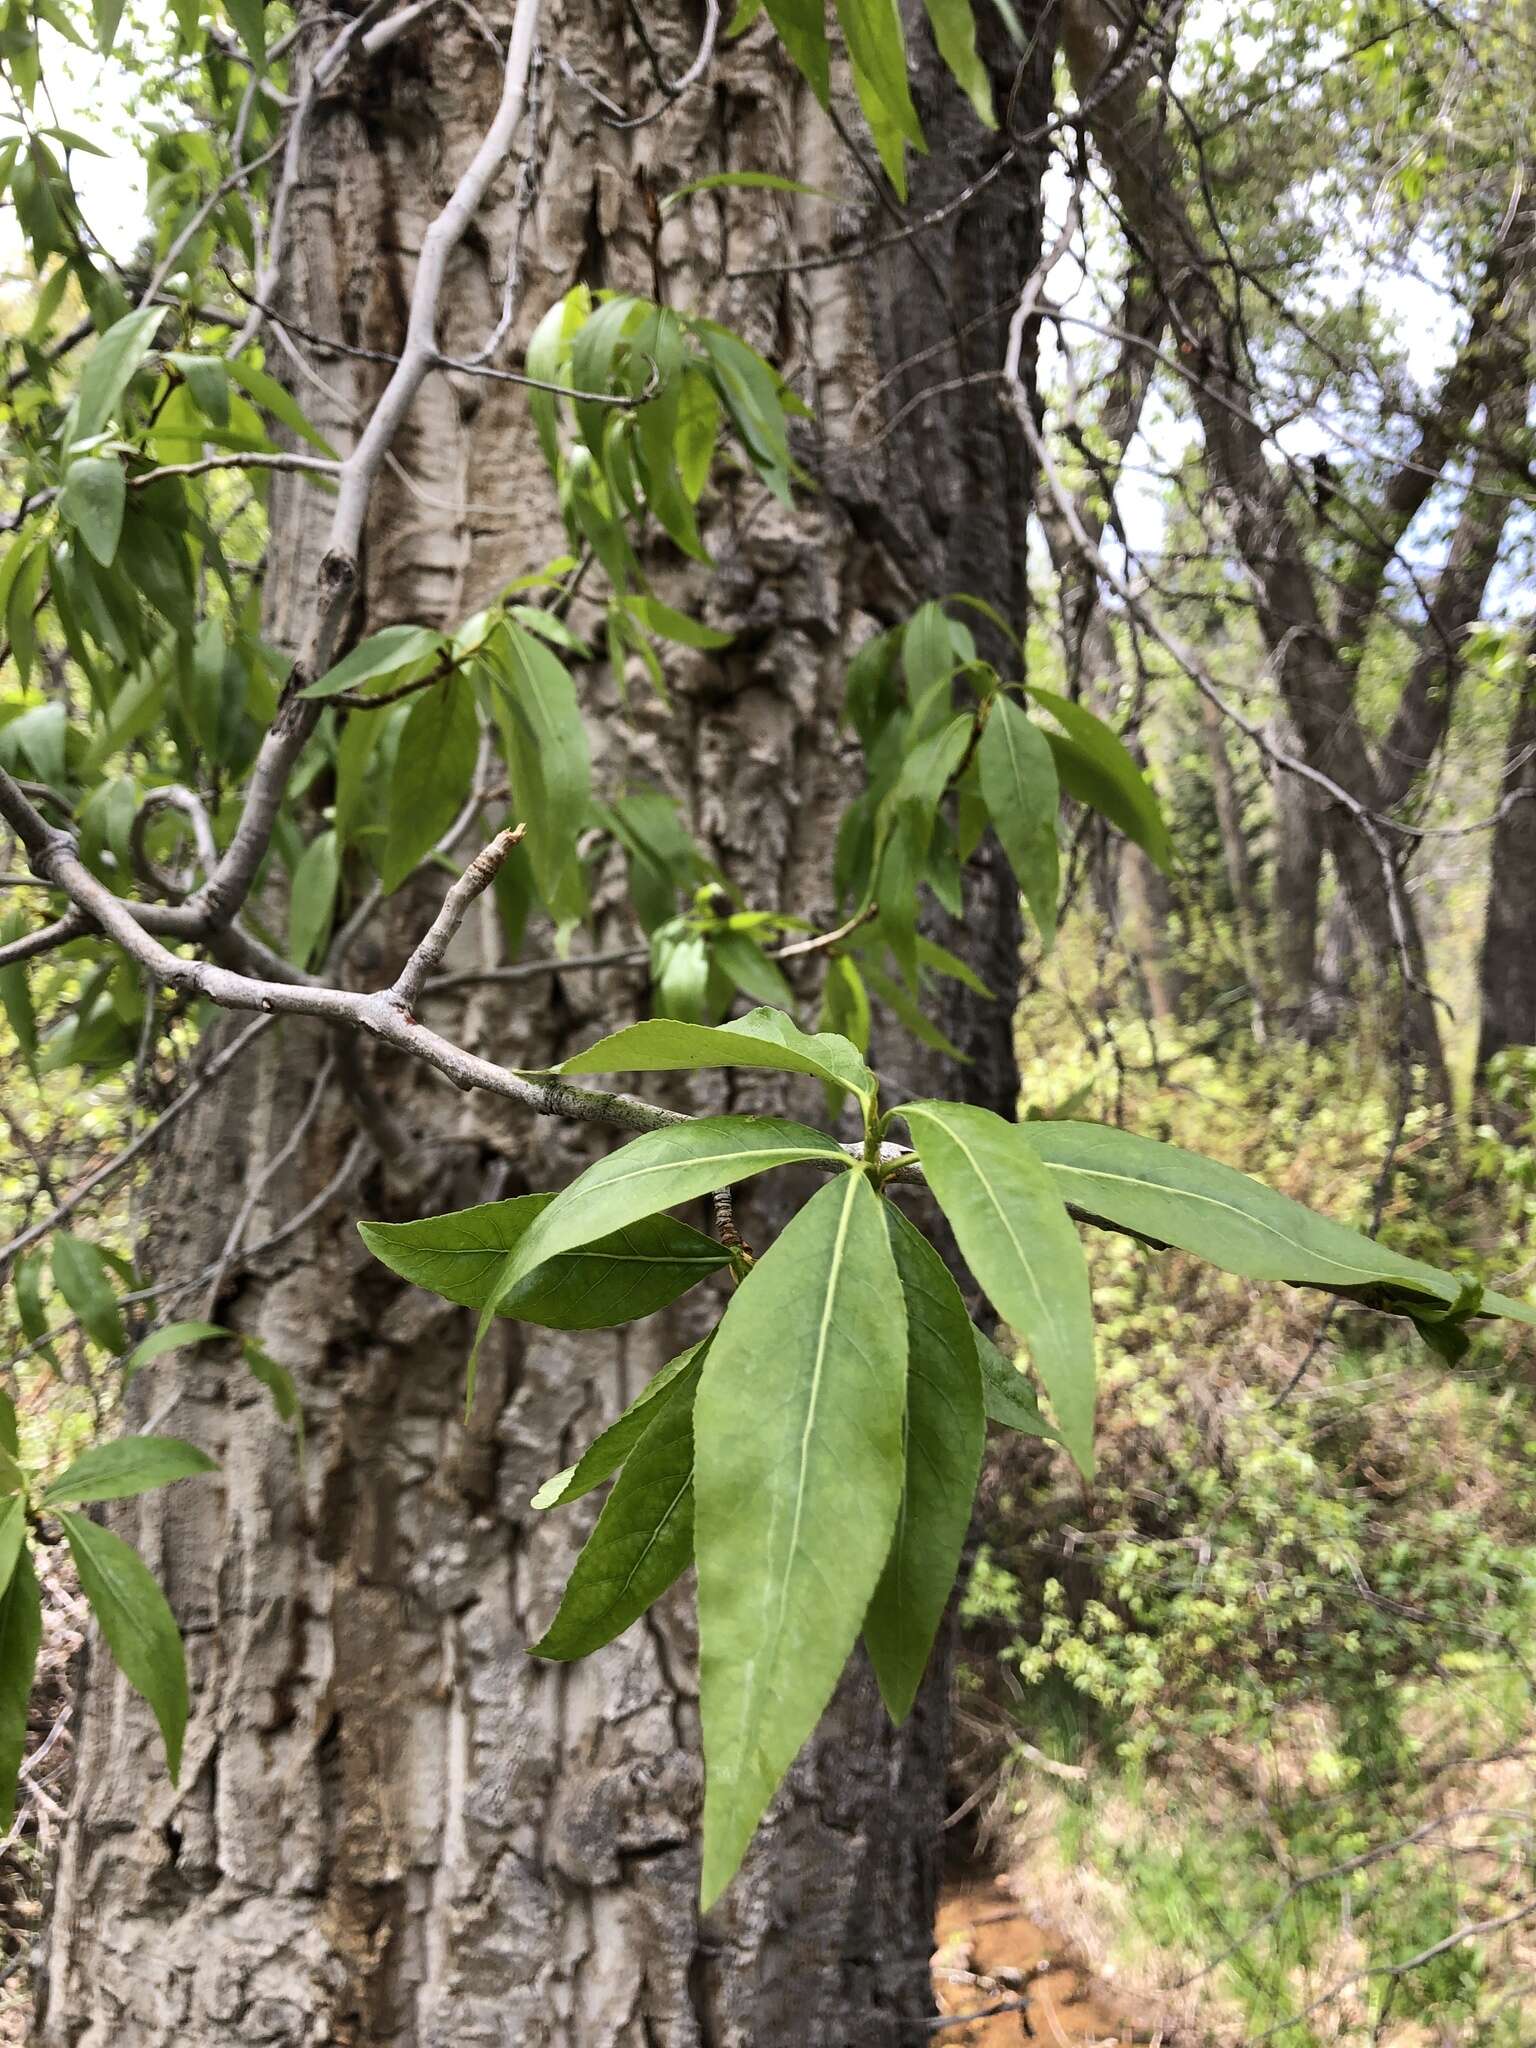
pixel 170 1338
pixel 945 1431
pixel 21 1631
pixel 1096 767
pixel 13 1530
pixel 606 1453
pixel 129 1464
pixel 763 1038
pixel 139 1627
pixel 1019 1242
pixel 798 1427
pixel 81 1274
pixel 1022 795
pixel 92 501
pixel 113 361
pixel 954 30
pixel 433 769
pixel 1178 1198
pixel 644 1535
pixel 629 1273
pixel 1010 1399
pixel 802 24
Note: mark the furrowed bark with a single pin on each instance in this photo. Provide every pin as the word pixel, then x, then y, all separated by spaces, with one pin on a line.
pixel 393 1826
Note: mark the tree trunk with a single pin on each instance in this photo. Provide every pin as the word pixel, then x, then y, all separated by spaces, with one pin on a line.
pixel 1507 976
pixel 1234 854
pixel 1298 876
pixel 393 1826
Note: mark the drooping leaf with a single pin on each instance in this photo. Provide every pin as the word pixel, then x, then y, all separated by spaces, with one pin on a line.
pixel 752 181
pixel 112 363
pixel 1178 1198
pixel 1022 795
pixel 604 1455
pixel 644 1535
pixel 312 898
pixel 92 502
pixel 279 1383
pixel 273 398
pixel 954 30
pixel 798 1432
pixel 550 766
pixel 802 27
pixel 137 1622
pixel 434 766
pixel 1018 1240
pixel 945 1432
pixel 127 1465
pixel 1096 767
pixel 1010 1399
pixel 630 1273
pixel 763 1038
pixel 80 1273
pixel 21 1632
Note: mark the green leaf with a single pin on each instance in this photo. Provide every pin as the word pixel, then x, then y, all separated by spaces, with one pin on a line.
pixel 763 1038
pixel 9 1441
pixel 434 766
pixel 606 1453
pixel 1022 796
pixel 16 989
pixel 21 1632
pixel 954 30
pixel 1010 1399
pixel 92 502
pixel 1018 1240
pixel 878 57
pixel 113 361
pixel 312 898
pixel 675 1164
pixel 13 1530
pixel 105 17
pixel 1095 766
pixel 945 1432
pixel 550 765
pixel 798 1427
pixel 750 968
pixel 631 1273
pixel 138 1625
pixel 129 1464
pixel 802 27
pixel 1175 1197
pixel 386 653
pixel 208 382
pixel 753 181
pixel 272 398
pixel 279 1383
pixel 171 1338
pixel 660 618
pixel 80 1274
pixel 644 1535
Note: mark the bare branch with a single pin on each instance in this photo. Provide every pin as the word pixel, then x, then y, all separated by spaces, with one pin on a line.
pixel 476 878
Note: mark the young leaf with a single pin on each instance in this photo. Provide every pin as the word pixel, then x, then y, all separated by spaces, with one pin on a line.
pixel 21 1631
pixel 1096 767
pixel 798 1428
pixel 1178 1198
pixel 763 1038
pixel 606 1453
pixel 129 1464
pixel 945 1431
pixel 675 1164
pixel 92 501
pixel 1019 1242
pixel 312 898
pixel 138 1624
pixel 278 1381
pixel 660 618
pixel 631 1273
pixel 1010 1399
pixel 644 1535
pixel 802 27
pixel 752 181
pixel 433 769
pixel 1020 790
pixel 549 762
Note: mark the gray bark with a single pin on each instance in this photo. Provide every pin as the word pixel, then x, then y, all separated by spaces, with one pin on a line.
pixel 393 1826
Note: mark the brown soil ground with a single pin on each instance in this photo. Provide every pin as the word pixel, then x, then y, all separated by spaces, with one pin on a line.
pixel 989 1954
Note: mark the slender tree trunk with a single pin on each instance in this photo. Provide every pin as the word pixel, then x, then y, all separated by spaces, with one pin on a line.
pixel 1146 911
pixel 1234 852
pixel 1298 876
pixel 1507 975
pixel 393 1826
